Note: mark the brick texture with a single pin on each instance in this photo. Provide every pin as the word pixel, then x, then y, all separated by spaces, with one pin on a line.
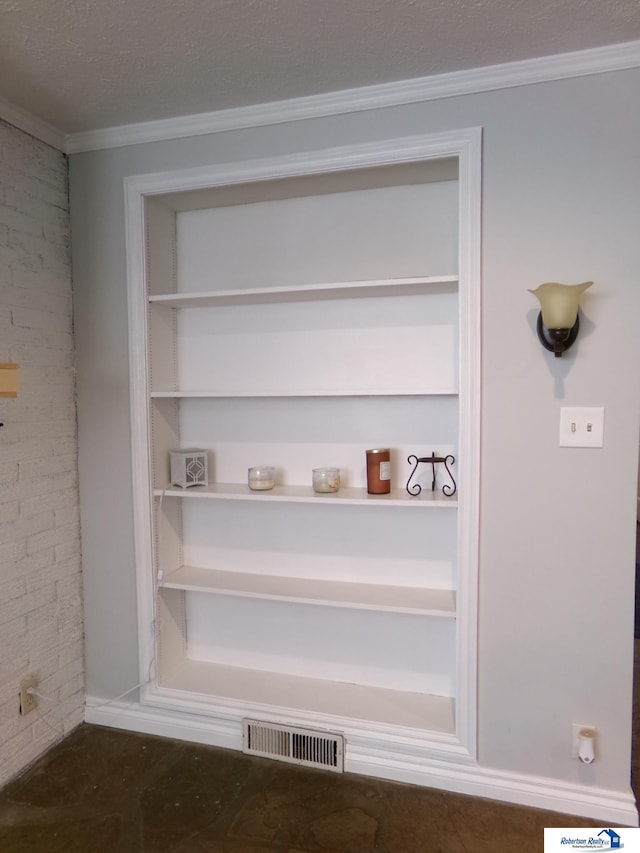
pixel 41 627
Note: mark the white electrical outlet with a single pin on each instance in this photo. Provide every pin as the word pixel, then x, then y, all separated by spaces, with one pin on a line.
pixel 581 426
pixel 576 728
pixel 28 702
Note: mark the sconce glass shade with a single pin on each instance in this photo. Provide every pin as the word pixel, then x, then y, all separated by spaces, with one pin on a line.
pixel 558 322
pixel 559 303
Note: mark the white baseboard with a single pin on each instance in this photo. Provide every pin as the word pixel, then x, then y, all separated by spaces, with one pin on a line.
pixel 154 721
pixel 614 807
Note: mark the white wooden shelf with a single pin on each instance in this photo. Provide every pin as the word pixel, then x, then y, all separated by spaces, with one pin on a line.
pixel 352 392
pixel 305 293
pixel 250 688
pixel 363 596
pixel 305 494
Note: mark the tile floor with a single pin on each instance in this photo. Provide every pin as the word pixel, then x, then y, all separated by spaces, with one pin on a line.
pixel 109 791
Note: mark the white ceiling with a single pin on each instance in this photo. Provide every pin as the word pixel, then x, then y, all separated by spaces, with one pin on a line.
pixel 81 65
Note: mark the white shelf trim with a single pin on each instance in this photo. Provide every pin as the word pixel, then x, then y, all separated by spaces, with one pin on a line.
pixel 356 596
pixel 303 293
pixel 408 149
pixel 305 494
pixel 309 392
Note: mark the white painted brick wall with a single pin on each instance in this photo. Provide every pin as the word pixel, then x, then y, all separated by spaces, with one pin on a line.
pixel 41 628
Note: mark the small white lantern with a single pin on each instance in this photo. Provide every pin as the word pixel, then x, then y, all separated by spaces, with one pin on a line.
pixel 189 468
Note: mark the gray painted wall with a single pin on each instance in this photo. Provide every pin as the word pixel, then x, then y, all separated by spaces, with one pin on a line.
pixel 561 190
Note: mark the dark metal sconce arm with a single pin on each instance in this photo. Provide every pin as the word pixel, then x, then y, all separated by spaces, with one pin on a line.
pixel 557 341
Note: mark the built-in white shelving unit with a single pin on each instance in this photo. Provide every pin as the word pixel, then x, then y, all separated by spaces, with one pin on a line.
pixel 295 312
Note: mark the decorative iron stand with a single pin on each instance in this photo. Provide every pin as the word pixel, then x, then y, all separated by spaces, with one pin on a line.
pixel 433 460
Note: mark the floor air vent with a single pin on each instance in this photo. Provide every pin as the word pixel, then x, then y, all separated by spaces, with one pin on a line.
pixel 297 746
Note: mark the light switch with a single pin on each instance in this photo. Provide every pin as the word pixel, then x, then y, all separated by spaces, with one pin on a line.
pixel 581 426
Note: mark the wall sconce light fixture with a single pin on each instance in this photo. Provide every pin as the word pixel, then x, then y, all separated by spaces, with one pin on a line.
pixel 558 322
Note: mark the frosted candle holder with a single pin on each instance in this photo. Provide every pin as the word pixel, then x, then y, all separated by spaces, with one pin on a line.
pixel 261 478
pixel 326 479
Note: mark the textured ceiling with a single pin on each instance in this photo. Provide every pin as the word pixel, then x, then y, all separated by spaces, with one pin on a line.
pixel 81 65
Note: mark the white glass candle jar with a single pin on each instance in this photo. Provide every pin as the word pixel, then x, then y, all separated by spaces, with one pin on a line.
pixel 326 479
pixel 262 477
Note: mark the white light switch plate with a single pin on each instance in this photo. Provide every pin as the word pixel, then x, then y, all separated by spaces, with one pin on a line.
pixel 581 426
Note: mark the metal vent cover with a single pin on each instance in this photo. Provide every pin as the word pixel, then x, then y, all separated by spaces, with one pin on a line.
pixel 294 745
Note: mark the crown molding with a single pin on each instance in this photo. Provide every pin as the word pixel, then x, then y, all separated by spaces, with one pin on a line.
pixel 545 69
pixel 32 125
pixel 526 72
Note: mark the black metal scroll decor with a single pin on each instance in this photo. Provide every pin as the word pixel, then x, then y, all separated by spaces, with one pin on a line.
pixel 433 460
